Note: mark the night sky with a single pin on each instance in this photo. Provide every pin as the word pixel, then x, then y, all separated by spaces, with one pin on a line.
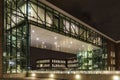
pixel 103 15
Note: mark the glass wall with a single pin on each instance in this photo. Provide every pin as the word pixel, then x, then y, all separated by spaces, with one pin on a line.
pixel 90 60
pixel 40 14
pixel 16 38
pixel 19 14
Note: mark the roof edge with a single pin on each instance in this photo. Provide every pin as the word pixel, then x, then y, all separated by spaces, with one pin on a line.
pixel 118 41
pixel 76 19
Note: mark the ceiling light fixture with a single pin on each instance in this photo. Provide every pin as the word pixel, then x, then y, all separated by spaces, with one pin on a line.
pixel 33 31
pixel 55 43
pixel 55 37
pixel 71 42
pixel 37 38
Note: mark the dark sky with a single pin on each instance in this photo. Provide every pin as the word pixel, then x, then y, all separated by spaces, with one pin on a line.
pixel 103 15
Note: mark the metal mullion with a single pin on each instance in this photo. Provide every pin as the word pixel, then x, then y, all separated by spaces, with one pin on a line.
pixel 59 23
pixel 12 28
pixel 70 27
pixel 17 15
pixel 95 37
pixel 45 16
pixel 87 35
pixel 27 40
pixel 73 29
pixel 5 35
pixel 20 10
pixel 16 38
pixel 82 34
pixel 47 12
pixel 37 11
pixel 11 19
pixel 78 31
pixel 65 26
pixel 10 38
pixel 87 61
pixel 36 14
pixel 21 47
pixel 54 26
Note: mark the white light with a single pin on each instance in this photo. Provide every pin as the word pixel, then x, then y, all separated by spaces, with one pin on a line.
pixel 73 72
pixel 55 37
pixel 37 38
pixel 52 75
pixel 55 43
pixel 115 78
pixel 33 31
pixel 33 75
pixel 68 72
pixel 77 76
pixel 71 42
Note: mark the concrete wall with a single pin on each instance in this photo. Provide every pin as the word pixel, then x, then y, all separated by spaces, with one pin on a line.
pixel 1 25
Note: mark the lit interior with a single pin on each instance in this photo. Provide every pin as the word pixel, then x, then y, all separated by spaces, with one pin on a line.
pixel 42 38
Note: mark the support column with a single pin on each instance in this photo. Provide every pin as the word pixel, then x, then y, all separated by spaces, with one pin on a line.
pixel 1 26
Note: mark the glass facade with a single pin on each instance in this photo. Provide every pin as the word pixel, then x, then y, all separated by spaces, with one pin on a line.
pixel 16 38
pixel 20 15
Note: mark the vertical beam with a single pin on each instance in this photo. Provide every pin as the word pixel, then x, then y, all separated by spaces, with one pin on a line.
pixel 1 30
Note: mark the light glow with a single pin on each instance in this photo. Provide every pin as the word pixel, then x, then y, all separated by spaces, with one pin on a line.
pixel 55 37
pixel 115 77
pixel 33 75
pixel 33 31
pixel 52 75
pixel 77 76
pixel 37 38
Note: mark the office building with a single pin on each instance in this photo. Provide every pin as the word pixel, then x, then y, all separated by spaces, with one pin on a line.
pixel 37 36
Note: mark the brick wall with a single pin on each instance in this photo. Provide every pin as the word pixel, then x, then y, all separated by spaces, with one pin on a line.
pixel 1 25
pixel 110 50
pixel 117 56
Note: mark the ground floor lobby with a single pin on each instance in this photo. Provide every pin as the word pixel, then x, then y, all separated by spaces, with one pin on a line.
pixel 66 75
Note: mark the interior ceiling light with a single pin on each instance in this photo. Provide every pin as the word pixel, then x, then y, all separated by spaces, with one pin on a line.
pixel 71 42
pixel 33 31
pixel 55 37
pixel 37 38
pixel 55 43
